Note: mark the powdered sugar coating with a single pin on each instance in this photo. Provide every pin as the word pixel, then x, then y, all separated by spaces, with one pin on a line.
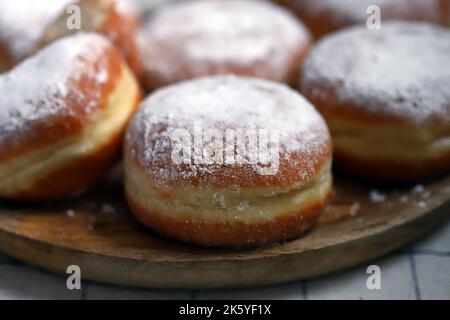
pixel 195 38
pixel 401 71
pixel 23 22
pixel 227 102
pixel 42 90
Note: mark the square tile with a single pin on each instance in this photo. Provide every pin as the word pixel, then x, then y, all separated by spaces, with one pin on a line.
pixel 438 240
pixel 108 292
pixel 433 275
pixel 24 282
pixel 396 282
pixel 291 291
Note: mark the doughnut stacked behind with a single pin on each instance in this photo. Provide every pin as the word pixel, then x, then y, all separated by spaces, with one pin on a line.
pixel 325 16
pixel 386 98
pixel 188 39
pixel 145 7
pixel 27 25
pixel 62 116
pixel 22 23
pixel 227 202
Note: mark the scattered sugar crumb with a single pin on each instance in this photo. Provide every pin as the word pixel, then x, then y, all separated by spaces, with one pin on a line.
pixel 446 190
pixel 107 208
pixel 426 195
pixel 418 189
pixel 376 196
pixel 422 204
pixel 404 199
pixel 92 221
pixel 354 209
pixel 70 213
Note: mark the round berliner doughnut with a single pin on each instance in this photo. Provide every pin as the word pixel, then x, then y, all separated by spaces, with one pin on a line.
pixel 63 113
pixel 243 37
pixel 227 161
pixel 325 16
pixel 27 25
pixel 386 97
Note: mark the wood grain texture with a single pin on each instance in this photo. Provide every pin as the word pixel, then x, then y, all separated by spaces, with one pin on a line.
pixel 97 233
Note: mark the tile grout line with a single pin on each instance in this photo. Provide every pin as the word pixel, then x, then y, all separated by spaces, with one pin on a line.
pixel 84 292
pixel 412 264
pixel 305 289
pixel 12 263
pixel 427 252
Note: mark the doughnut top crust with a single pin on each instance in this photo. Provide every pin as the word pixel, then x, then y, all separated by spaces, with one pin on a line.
pixel 400 73
pixel 23 22
pixel 222 103
pixel 241 36
pixel 55 93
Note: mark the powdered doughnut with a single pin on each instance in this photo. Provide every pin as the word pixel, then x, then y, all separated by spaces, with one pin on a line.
pixel 222 195
pixel 62 116
pixel 243 37
pixel 386 97
pixel 325 16
pixel 27 25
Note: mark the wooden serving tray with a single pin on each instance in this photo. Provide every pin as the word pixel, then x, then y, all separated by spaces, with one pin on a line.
pixel 97 233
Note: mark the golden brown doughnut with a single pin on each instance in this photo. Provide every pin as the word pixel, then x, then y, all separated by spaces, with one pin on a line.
pixel 62 116
pixel 27 25
pixel 243 37
pixel 386 97
pixel 239 198
pixel 325 16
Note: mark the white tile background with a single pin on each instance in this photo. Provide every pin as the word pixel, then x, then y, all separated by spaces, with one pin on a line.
pixel 421 271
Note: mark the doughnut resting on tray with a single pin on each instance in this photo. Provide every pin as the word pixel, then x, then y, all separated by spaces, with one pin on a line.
pixel 386 98
pixel 239 198
pixel 63 112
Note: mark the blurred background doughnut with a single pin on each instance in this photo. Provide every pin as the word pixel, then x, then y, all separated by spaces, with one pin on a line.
pixel 188 39
pixel 27 25
pixel 325 16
